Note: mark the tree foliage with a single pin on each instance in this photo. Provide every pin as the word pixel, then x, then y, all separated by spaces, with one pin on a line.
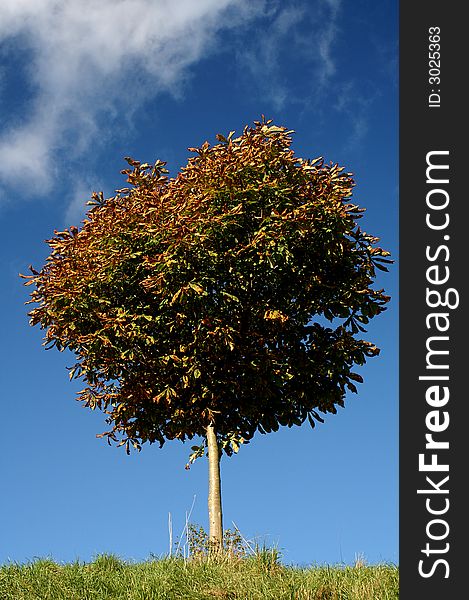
pixel 201 299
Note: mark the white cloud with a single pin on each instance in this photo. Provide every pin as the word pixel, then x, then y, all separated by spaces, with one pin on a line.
pixel 90 58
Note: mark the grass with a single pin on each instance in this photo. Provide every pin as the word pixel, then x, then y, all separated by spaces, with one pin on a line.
pixel 255 577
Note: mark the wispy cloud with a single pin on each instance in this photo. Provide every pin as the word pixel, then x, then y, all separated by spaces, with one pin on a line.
pixel 326 39
pixel 91 59
pixel 80 193
pixel 306 31
pixel 261 61
pixel 354 101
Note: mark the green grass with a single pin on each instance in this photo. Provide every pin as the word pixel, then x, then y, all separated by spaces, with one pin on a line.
pixel 255 577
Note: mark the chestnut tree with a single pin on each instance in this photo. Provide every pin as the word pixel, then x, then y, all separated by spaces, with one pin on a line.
pixel 200 305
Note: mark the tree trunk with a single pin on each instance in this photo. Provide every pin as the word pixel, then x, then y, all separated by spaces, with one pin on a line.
pixel 214 491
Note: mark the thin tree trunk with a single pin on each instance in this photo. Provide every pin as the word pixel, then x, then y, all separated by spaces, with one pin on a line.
pixel 214 491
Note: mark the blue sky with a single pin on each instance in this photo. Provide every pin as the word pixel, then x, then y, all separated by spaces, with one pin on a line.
pixel 81 86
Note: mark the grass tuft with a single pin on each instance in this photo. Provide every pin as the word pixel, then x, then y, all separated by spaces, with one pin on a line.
pixel 255 577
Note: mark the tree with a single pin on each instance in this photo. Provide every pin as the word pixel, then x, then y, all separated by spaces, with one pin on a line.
pixel 196 305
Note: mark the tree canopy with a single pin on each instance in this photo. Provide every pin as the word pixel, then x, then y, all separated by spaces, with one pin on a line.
pixel 204 298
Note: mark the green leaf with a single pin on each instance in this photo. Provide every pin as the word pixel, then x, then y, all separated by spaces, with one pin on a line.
pixel 197 288
pixel 380 267
pixel 230 296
